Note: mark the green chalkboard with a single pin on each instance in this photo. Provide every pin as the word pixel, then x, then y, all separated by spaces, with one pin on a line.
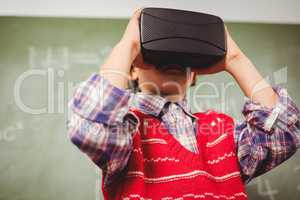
pixel 43 59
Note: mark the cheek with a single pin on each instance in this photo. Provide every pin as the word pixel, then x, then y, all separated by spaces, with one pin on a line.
pixel 148 76
pixel 149 79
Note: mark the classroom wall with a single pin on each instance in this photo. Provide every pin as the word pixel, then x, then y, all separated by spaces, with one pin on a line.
pixel 43 59
pixel 270 11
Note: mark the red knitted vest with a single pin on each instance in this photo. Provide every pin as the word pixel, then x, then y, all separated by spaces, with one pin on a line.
pixel 161 168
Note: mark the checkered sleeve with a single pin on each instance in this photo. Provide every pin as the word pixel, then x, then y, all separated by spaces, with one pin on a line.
pixel 97 100
pixel 100 125
pixel 268 136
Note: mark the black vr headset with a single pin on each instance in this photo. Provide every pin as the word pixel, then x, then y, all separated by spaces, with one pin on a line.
pixel 178 37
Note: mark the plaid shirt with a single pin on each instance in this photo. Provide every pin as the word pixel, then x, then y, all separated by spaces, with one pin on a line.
pixel 101 126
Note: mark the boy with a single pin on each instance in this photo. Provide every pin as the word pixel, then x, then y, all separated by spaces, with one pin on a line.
pixel 149 145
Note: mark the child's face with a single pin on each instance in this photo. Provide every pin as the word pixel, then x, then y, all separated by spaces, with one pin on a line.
pixel 171 81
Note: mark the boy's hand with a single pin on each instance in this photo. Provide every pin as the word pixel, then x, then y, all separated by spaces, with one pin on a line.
pixel 131 36
pixel 233 53
pixel 117 66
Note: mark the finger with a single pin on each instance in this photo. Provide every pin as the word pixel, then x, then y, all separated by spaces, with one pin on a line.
pixel 137 13
pixel 226 29
pixel 227 32
pixel 199 71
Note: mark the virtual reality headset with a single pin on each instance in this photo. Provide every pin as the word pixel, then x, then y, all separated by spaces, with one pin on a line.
pixel 178 37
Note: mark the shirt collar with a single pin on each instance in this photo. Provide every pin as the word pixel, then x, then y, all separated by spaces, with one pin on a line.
pixel 154 104
pixel 185 106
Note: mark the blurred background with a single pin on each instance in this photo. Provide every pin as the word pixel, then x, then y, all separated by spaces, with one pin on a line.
pixel 48 47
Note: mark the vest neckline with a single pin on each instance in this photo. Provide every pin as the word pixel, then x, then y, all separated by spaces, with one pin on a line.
pixel 176 148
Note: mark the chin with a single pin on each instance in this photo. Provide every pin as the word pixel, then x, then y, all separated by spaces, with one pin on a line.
pixel 171 90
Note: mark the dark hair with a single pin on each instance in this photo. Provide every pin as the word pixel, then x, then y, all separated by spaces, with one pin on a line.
pixel 134 86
